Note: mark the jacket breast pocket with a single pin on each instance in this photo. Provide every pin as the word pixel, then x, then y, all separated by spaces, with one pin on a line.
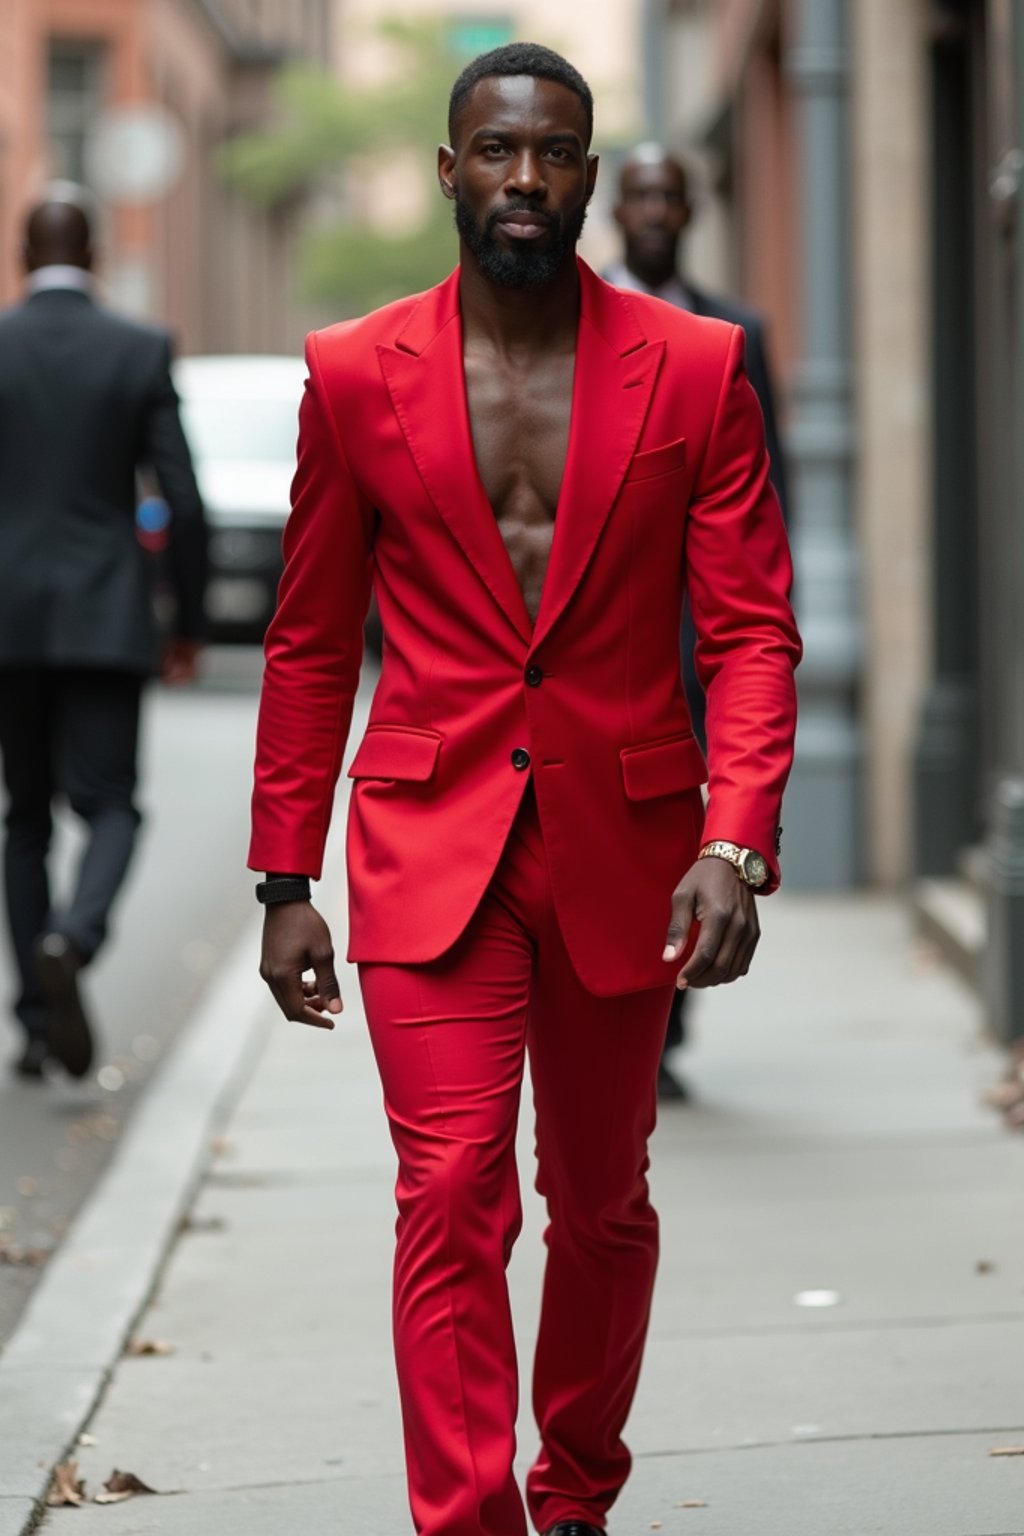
pixel 662 767
pixel 669 459
pixel 406 753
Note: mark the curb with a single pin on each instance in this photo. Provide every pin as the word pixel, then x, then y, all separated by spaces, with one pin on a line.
pixel 64 1351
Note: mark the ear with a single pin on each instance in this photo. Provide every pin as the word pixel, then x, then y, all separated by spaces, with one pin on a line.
pixel 592 164
pixel 446 170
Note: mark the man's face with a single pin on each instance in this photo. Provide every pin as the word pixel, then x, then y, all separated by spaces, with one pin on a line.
pixel 520 176
pixel 652 212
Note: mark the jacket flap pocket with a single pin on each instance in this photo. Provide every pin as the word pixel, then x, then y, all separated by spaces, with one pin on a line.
pixel 396 752
pixel 662 768
pixel 657 461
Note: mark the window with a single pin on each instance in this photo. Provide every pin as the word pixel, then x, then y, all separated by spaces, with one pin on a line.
pixel 74 99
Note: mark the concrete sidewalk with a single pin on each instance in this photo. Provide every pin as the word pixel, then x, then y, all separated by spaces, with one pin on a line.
pixel 836 1145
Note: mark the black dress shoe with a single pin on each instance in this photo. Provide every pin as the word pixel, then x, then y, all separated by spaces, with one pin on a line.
pixel 575 1528
pixel 30 1062
pixel 68 1035
pixel 670 1086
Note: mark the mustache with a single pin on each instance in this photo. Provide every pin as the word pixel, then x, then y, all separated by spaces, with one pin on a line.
pixel 520 205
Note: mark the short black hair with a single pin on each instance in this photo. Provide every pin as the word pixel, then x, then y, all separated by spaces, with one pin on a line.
pixel 519 59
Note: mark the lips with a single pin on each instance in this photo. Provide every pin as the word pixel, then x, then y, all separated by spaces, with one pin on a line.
pixel 522 225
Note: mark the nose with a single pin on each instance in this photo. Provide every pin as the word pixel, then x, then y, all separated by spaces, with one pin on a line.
pixel 525 176
pixel 656 206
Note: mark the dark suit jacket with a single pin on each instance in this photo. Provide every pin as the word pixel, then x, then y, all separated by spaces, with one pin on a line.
pixel 86 398
pixel 717 308
pixel 714 307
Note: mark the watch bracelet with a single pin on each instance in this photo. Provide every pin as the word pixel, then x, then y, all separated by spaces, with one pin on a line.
pixel 273 893
pixel 731 853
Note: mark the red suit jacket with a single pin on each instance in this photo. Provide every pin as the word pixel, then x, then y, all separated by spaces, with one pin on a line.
pixel 665 486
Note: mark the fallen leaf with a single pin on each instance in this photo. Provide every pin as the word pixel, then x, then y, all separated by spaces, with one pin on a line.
pixel 203 1224
pixel 20 1257
pixel 149 1347
pixel 1003 1095
pixel 1007 1450
pixel 655 1525
pixel 985 1267
pixel 67 1488
pixel 120 1486
pixel 693 1504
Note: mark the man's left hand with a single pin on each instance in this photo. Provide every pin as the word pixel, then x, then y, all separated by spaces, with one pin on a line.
pixel 179 661
pixel 712 894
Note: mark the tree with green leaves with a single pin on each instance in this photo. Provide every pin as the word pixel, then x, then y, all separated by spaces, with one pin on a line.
pixel 324 133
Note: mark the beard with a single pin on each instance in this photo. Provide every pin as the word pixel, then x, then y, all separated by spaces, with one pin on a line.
pixel 521 267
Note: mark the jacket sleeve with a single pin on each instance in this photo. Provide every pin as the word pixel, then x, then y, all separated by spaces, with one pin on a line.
pixel 313 648
pixel 739 575
pixel 166 450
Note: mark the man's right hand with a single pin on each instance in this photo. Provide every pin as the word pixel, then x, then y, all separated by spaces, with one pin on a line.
pixel 296 939
pixel 179 661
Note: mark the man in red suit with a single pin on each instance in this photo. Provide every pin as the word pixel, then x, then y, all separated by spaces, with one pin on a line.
pixel 528 466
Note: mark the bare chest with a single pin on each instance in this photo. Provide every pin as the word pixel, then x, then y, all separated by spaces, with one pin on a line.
pixel 520 427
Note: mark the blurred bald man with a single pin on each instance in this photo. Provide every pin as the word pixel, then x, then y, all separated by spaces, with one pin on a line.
pixel 653 210
pixel 86 398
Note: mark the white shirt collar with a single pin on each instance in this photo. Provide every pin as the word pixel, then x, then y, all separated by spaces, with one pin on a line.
pixel 59 276
pixel 673 292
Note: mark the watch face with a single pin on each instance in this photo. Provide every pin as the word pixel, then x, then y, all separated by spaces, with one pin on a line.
pixel 755 870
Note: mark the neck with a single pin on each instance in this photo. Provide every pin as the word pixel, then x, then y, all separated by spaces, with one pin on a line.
pixel 511 320
pixel 651 274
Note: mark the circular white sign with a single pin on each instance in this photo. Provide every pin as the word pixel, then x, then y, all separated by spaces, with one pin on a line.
pixel 135 154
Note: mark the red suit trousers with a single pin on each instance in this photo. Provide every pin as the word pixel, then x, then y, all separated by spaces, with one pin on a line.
pixel 450 1039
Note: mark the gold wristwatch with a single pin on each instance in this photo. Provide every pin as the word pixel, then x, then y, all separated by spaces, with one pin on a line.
pixel 751 867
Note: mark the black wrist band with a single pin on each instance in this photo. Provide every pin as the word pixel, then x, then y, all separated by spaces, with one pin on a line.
pixel 291 888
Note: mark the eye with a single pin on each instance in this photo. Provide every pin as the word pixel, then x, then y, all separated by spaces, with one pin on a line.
pixel 492 150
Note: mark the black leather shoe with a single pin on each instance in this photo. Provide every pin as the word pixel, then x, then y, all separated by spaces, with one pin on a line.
pixel 30 1063
pixel 670 1086
pixel 575 1528
pixel 68 1035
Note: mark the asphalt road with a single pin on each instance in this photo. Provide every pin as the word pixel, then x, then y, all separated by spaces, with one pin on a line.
pixel 186 899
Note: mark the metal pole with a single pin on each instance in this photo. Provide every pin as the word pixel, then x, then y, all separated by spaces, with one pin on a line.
pixel 947 754
pixel 652 20
pixel 1004 958
pixel 822 812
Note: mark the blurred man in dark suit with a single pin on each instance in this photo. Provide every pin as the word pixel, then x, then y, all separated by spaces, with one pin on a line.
pixel 654 208
pixel 85 399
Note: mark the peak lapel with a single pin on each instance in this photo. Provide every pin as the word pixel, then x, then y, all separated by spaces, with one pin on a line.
pixel 425 377
pixel 615 373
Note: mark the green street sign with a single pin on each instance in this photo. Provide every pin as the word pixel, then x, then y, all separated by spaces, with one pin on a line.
pixel 467 38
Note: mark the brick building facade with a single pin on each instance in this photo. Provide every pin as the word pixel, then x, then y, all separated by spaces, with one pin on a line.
pixel 216 270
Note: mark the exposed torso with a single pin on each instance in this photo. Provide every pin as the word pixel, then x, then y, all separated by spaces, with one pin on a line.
pixel 519 417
